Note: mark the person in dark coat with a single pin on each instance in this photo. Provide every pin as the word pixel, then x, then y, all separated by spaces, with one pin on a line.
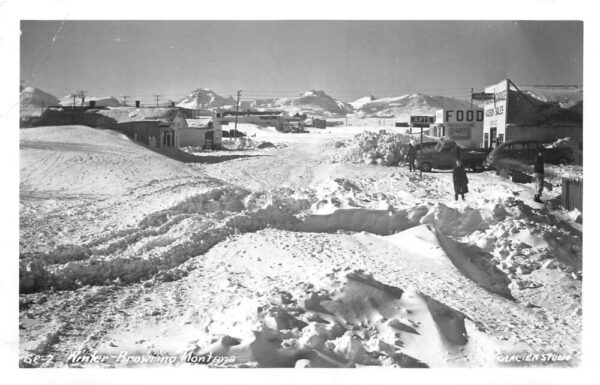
pixel 538 175
pixel 411 156
pixel 459 177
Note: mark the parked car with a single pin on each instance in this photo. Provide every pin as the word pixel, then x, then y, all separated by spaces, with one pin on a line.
pixel 427 146
pixel 519 153
pixel 444 157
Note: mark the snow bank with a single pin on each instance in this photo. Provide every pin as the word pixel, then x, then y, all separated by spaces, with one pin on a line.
pixel 374 148
pixel 381 222
pixel 162 241
pixel 358 322
pixel 454 222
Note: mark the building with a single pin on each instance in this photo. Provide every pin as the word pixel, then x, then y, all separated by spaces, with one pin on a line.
pixel 465 127
pixel 544 113
pixel 155 127
pixel 205 132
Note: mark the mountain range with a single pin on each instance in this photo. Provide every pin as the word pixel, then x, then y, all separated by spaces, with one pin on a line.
pixel 313 103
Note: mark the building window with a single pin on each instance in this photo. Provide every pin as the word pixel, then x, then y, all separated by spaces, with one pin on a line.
pixel 486 140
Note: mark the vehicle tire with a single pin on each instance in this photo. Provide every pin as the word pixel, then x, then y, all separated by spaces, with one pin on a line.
pixel 478 167
pixel 426 167
pixel 562 162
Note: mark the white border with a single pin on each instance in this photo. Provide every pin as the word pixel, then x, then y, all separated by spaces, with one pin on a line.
pixel 13 11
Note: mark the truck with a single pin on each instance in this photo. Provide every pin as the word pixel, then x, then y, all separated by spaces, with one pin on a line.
pixel 444 157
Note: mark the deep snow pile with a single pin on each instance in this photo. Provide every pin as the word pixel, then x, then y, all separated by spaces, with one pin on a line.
pixel 353 320
pixel 368 147
pixel 161 241
pixel 84 160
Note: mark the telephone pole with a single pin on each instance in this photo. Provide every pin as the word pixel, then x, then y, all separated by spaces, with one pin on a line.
pixel 237 108
pixel 156 96
pixel 471 98
pixel 125 99
pixel 82 93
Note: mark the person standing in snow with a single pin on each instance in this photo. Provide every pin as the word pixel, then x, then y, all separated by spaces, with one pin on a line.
pixel 459 177
pixel 411 155
pixel 457 151
pixel 538 175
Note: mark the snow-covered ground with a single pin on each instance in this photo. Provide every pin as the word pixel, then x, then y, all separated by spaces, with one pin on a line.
pixel 280 257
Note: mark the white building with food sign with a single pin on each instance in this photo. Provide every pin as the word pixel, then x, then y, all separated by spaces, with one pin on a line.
pixel 465 127
pixel 495 112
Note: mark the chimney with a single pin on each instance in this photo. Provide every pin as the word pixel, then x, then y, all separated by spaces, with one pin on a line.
pixel 92 104
pixel 137 103
pixel 172 104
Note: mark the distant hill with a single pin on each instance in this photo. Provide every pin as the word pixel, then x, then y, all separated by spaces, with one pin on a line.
pixel 358 103
pixel 32 100
pixel 313 103
pixel 406 105
pixel 31 96
pixel 206 99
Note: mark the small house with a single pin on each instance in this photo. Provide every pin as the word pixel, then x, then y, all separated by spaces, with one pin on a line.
pixel 155 127
pixel 203 132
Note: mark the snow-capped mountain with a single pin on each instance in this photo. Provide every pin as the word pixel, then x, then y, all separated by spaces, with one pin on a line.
pixel 105 101
pixel 565 96
pixel 313 103
pixel 358 103
pixel 32 96
pixel 406 105
pixel 319 103
pixel 32 100
pixel 206 99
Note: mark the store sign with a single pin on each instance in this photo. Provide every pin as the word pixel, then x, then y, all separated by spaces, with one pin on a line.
pixel 460 131
pixel 495 109
pixel 482 96
pixel 422 121
pixel 460 116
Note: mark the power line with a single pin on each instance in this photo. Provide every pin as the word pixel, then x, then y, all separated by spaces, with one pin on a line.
pixel 125 99
pixel 82 93
pixel 157 96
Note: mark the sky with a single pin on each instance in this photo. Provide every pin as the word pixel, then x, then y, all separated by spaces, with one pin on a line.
pixel 346 59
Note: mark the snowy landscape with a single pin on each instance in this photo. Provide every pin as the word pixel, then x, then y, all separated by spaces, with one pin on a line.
pixel 319 228
pixel 321 261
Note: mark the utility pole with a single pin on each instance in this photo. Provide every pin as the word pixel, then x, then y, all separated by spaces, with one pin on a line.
pixel 125 99
pixel 237 108
pixel 74 96
pixel 156 96
pixel 421 156
pixel 82 93
pixel 471 98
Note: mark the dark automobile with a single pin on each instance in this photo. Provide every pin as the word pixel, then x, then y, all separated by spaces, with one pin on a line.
pixel 444 156
pixel 518 153
pixel 427 146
